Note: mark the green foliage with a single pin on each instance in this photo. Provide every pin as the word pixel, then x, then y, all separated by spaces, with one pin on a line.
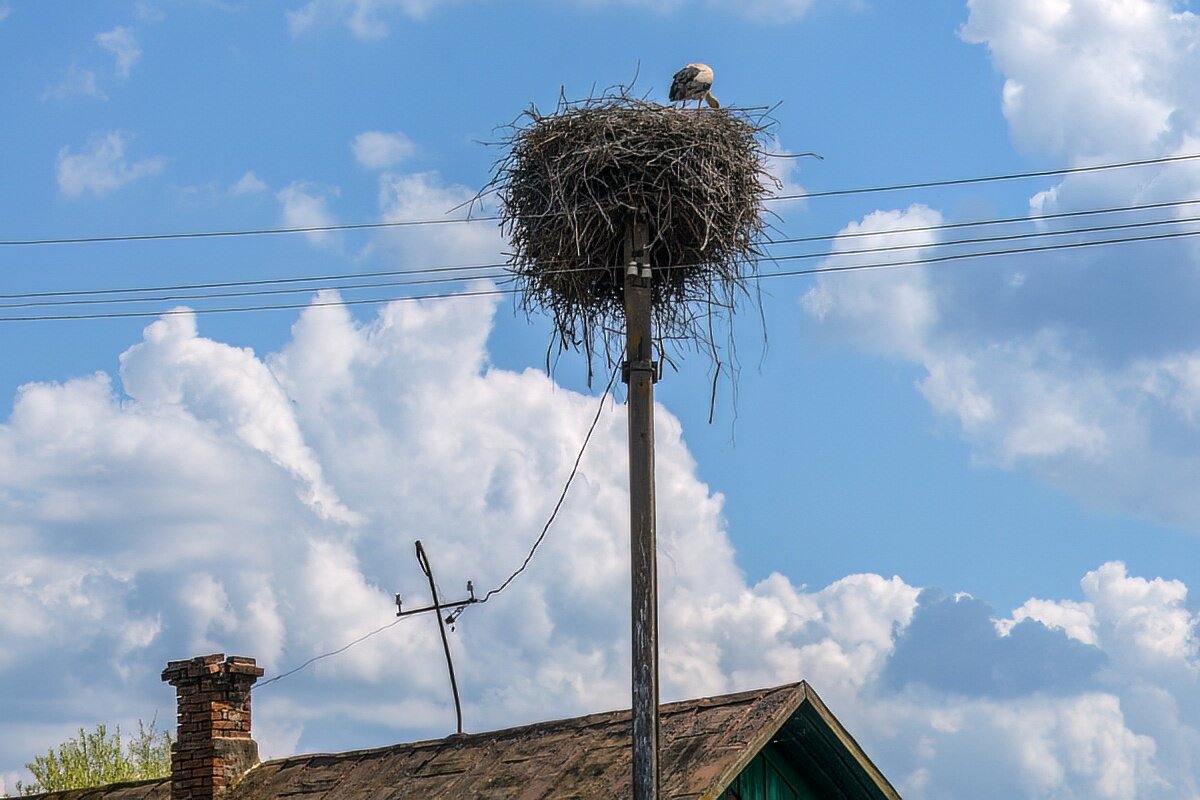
pixel 98 758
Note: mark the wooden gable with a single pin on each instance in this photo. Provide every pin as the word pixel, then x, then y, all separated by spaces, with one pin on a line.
pixel 809 757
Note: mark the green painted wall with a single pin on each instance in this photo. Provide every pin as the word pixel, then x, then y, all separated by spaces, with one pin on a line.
pixel 768 777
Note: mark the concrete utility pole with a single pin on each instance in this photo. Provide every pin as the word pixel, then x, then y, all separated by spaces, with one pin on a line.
pixel 640 373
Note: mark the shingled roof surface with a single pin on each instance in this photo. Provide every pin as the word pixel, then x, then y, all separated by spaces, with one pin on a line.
pixel 704 744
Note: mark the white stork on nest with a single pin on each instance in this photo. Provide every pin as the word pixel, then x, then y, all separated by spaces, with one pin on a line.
pixel 693 83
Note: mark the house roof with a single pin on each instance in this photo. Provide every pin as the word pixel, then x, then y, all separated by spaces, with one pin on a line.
pixel 705 745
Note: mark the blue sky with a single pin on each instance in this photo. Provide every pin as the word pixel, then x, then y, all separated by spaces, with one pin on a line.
pixel 959 499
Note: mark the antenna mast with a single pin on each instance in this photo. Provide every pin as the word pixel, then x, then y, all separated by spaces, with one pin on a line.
pixel 436 608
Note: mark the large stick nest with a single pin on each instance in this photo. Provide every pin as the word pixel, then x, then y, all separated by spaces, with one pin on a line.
pixel 573 180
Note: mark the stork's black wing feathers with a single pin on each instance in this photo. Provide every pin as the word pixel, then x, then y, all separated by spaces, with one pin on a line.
pixel 681 83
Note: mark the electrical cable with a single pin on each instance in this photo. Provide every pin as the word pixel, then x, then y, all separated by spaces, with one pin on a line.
pixel 460 220
pixel 561 497
pixel 107 298
pixel 501 265
pixel 241 309
pixel 152 237
pixel 987 239
pixel 330 654
pixel 250 293
pixel 825 237
pixel 254 282
pixel 495 292
pixel 1012 176
pixel 961 256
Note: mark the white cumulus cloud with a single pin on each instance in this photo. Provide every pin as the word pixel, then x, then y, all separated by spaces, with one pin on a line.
pixel 173 369
pixel 422 196
pixel 890 309
pixel 101 168
pixel 1089 78
pixel 379 150
pixel 1148 618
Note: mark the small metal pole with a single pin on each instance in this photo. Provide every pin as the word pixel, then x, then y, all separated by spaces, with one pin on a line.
pixel 640 374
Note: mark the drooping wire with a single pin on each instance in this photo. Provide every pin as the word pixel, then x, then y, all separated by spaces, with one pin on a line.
pixel 107 299
pixel 106 296
pixel 179 287
pixel 1012 176
pixel 142 237
pixel 292 280
pixel 561 497
pixel 988 239
pixel 152 237
pixel 983 223
pixel 983 254
pixel 330 654
pixel 249 309
pixel 758 275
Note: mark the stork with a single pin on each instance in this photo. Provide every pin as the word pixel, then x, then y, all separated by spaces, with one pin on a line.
pixel 693 83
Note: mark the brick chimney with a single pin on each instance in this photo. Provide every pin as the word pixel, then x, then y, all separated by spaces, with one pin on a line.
pixel 213 748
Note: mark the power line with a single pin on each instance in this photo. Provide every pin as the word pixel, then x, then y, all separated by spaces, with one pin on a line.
pixel 501 265
pixel 108 300
pixel 825 237
pixel 142 237
pixel 152 237
pixel 242 309
pixel 105 297
pixel 255 282
pixel 330 654
pixel 495 292
pixel 962 256
pixel 1012 176
pixel 987 239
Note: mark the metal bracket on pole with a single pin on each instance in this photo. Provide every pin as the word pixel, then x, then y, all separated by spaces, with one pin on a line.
pixel 458 606
pixel 652 366
pixel 638 279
